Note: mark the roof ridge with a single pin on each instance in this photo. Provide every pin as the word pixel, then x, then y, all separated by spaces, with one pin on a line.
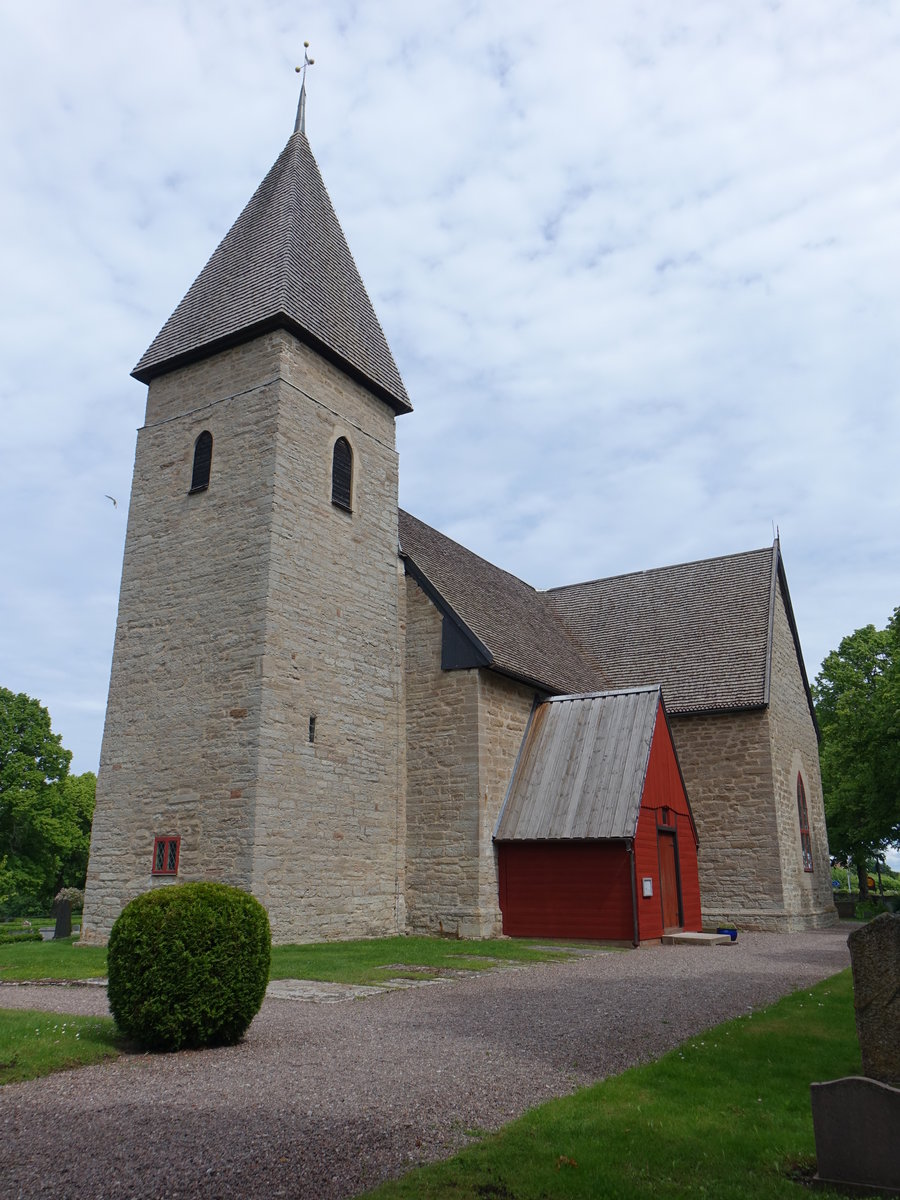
pixel 607 694
pixel 695 562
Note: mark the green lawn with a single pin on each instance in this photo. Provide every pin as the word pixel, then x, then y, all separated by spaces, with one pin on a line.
pixel 375 960
pixel 22 961
pixel 372 960
pixel 38 1043
pixel 726 1116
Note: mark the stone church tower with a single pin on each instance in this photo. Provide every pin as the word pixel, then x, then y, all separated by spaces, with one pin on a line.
pixel 255 725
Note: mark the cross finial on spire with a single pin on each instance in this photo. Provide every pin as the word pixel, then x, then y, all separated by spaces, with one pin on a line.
pixel 300 123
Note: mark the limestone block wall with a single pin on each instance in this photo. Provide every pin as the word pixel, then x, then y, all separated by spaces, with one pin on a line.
pixel 727 766
pixel 741 775
pixel 442 826
pixel 504 708
pixel 179 746
pixel 246 610
pixel 329 819
pixel 808 896
pixel 463 732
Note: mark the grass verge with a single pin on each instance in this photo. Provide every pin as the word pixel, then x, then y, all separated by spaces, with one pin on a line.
pixel 372 960
pixel 21 961
pixel 38 1043
pixel 726 1115
pixel 375 960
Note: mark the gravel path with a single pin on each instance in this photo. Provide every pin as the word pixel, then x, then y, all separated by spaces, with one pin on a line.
pixel 325 1099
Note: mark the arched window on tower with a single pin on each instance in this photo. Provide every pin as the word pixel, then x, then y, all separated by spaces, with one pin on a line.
pixel 803 814
pixel 342 474
pixel 202 462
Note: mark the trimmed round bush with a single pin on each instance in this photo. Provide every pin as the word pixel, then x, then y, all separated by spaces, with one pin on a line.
pixel 188 965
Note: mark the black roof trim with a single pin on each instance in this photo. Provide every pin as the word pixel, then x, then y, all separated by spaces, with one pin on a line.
pixel 278 321
pixel 479 649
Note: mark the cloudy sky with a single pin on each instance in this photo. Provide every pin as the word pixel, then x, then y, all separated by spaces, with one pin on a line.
pixel 638 263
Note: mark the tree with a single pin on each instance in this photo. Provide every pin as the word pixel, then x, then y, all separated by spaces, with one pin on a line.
pixel 77 797
pixel 41 810
pixel 857 698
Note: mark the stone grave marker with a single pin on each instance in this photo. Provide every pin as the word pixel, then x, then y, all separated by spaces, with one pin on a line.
pixel 857 1119
pixel 63 919
pixel 875 955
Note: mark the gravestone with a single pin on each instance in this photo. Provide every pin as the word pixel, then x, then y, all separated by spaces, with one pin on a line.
pixel 857 1119
pixel 63 919
pixel 875 955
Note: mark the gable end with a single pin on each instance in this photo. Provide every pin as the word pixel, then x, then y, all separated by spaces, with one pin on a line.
pixel 460 648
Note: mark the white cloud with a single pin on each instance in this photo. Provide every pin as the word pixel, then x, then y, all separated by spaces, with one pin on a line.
pixel 637 265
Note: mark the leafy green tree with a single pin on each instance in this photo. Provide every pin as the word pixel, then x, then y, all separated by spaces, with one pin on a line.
pixel 857 698
pixel 36 817
pixel 77 794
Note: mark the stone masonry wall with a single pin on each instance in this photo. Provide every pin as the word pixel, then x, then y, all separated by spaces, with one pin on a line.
pixel 464 729
pixel 504 708
pixel 808 896
pixel 329 832
pixel 244 610
pixel 727 768
pixel 741 775
pixel 179 744
pixel 443 827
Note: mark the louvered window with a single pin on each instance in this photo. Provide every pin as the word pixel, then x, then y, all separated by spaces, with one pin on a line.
pixel 341 474
pixel 202 462
pixel 165 855
pixel 803 813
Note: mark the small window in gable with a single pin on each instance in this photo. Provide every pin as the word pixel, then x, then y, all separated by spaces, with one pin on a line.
pixel 803 814
pixel 341 474
pixel 165 855
pixel 202 462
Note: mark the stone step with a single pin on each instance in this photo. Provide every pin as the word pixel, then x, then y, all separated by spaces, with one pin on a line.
pixel 697 939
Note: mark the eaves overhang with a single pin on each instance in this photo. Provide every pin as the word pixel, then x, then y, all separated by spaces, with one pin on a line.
pixel 145 374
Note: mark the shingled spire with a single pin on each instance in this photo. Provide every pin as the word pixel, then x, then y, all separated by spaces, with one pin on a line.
pixel 285 263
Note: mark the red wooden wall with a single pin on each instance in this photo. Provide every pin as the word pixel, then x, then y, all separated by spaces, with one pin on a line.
pixel 566 889
pixel 584 889
pixel 663 788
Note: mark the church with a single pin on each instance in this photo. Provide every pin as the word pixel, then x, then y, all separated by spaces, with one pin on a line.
pixel 319 698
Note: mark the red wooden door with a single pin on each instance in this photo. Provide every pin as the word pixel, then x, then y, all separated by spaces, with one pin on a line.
pixel 668 882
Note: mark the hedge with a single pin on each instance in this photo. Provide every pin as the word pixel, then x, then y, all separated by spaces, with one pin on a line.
pixel 188 965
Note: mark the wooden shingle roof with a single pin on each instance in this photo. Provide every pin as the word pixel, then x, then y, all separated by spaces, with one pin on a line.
pixel 701 629
pixel 284 263
pixel 515 626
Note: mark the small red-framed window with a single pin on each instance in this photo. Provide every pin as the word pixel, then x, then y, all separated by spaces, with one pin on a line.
pixel 166 851
pixel 803 815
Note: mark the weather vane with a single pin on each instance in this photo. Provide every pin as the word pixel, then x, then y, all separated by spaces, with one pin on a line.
pixel 300 123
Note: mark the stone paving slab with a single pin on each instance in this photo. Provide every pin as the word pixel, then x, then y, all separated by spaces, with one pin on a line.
pixel 318 992
pixel 697 939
